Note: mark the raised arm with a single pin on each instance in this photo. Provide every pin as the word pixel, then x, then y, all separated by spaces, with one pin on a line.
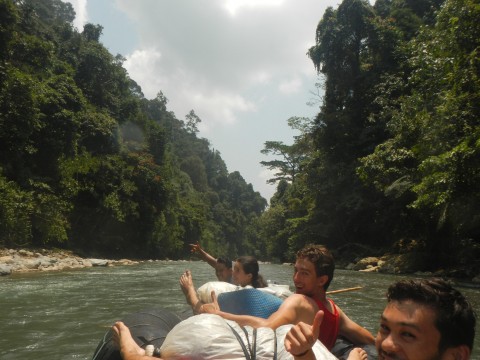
pixel 196 248
pixel 357 334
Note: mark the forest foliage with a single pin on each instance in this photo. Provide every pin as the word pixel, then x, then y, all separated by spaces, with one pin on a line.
pixel 392 158
pixel 88 163
pixel 391 161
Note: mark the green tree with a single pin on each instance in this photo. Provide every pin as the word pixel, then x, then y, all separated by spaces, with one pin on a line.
pixel 16 207
pixel 192 122
pixel 94 165
pixel 292 157
pixel 430 161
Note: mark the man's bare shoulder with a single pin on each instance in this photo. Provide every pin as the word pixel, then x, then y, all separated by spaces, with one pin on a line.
pixel 301 301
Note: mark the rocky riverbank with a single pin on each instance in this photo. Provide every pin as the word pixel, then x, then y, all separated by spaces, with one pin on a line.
pixel 402 264
pixel 358 258
pixel 21 261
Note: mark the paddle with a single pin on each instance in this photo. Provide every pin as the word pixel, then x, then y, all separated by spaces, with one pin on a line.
pixel 344 290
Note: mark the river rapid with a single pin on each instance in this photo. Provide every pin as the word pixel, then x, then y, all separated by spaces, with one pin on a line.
pixel 64 315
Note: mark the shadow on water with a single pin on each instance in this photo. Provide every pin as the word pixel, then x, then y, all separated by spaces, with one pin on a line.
pixel 64 315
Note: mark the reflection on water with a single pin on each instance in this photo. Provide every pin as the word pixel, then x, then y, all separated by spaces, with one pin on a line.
pixel 64 315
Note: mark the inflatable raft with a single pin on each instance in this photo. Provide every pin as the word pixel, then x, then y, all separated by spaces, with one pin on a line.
pixel 206 336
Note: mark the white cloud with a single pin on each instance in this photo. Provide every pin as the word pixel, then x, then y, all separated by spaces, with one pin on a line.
pixel 290 86
pixel 266 174
pixel 219 106
pixel 261 77
pixel 81 15
pixel 233 6
pixel 267 190
pixel 241 65
pixel 141 65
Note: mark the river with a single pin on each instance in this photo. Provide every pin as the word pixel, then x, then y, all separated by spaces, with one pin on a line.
pixel 63 315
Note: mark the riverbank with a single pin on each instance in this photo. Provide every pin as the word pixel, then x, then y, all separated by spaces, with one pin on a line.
pixel 22 261
pixel 358 257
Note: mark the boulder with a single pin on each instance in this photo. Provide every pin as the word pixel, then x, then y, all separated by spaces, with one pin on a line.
pixel 370 268
pixel 364 263
pixel 407 263
pixel 5 270
pixel 99 262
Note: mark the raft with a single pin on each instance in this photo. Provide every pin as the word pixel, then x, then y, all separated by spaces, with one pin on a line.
pixel 206 336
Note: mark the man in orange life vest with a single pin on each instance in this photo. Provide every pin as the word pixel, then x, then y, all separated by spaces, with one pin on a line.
pixel 313 273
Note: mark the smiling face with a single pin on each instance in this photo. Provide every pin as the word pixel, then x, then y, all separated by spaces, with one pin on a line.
pixel 305 278
pixel 408 332
pixel 239 276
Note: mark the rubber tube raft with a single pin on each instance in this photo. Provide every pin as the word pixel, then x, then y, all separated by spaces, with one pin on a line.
pixel 211 337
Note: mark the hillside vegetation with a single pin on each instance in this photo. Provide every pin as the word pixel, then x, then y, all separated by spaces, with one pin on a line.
pixel 88 163
pixel 392 160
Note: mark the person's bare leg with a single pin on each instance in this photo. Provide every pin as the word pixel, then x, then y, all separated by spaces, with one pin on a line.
pixel 186 283
pixel 357 354
pixel 129 349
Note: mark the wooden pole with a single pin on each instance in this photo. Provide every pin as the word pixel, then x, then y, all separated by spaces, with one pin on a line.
pixel 344 290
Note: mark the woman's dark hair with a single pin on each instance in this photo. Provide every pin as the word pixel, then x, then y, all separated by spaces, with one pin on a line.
pixel 455 316
pixel 250 266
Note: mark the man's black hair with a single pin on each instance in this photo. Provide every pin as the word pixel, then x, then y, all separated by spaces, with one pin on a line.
pixel 225 261
pixel 455 316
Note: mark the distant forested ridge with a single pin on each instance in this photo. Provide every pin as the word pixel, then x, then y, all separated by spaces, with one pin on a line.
pixel 392 160
pixel 88 163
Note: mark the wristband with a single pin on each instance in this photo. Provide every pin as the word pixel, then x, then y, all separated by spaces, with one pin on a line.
pixel 302 354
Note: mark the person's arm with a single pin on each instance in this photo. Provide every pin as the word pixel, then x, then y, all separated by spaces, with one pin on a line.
pixel 300 338
pixel 357 334
pixel 294 309
pixel 242 320
pixel 196 248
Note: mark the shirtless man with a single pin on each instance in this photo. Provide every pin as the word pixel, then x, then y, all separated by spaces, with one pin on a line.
pixel 313 273
pixel 424 319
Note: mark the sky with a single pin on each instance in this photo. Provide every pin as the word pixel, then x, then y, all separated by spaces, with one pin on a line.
pixel 241 65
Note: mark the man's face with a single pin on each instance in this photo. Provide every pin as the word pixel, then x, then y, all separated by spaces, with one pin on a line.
pixel 223 273
pixel 305 277
pixel 407 332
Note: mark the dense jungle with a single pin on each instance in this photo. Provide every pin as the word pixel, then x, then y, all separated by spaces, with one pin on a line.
pixel 390 164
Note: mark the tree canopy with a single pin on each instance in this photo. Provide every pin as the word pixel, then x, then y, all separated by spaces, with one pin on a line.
pixel 88 163
pixel 395 155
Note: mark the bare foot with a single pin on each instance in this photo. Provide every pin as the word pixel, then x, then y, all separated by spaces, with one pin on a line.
pixel 186 283
pixel 123 338
pixel 357 354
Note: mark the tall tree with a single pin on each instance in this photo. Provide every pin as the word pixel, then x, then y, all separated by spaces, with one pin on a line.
pixel 432 156
pixel 291 157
